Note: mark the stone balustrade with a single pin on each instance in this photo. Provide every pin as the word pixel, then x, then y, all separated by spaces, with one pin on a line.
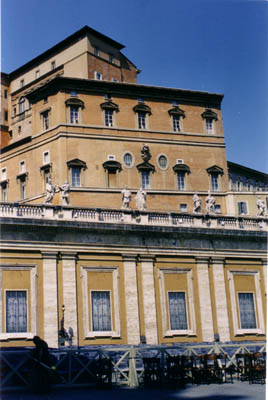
pixel 151 218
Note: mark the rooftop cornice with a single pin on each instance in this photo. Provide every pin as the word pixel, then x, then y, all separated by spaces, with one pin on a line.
pixel 241 168
pixel 129 90
pixel 75 37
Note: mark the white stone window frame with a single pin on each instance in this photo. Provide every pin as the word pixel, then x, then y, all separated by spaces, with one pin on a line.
pixel 44 156
pixel 3 173
pixel 33 303
pixel 243 201
pixel 142 118
pixel 158 163
pixel 22 166
pixel 115 304
pixel 98 76
pixel 133 159
pixel 189 297
pixel 259 312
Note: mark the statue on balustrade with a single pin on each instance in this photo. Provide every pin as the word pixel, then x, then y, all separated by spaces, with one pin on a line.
pixel 260 206
pixel 140 199
pixel 65 193
pixel 50 191
pixel 197 203
pixel 126 197
pixel 210 203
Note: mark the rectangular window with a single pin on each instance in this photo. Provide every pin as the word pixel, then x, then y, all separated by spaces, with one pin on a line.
pixel 46 157
pixel 141 120
pixel 111 58
pixel 6 115
pixel 14 111
pixel 217 209
pixel 96 51
pixel 108 117
pixel 177 311
pixel 145 179
pixel 22 166
pixel 5 94
pixel 37 74
pixel 176 123
pixel 45 117
pixel 214 182
pixel 98 76
pixel 242 207
pixel 4 193
pixel 16 311
pixel 181 185
pixel 21 105
pixel 76 176
pixel 46 176
pixel 3 174
pixel 21 83
pixel 53 65
pixel 101 311
pixel 22 188
pixel 112 179
pixel 183 207
pixel 74 115
pixel 247 311
pixel 209 125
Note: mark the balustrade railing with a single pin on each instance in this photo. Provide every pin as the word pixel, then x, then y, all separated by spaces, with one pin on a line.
pixel 69 213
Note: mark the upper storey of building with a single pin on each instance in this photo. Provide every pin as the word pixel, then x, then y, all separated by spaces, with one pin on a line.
pixel 85 54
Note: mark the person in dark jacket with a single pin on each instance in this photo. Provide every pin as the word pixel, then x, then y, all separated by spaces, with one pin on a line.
pixel 41 381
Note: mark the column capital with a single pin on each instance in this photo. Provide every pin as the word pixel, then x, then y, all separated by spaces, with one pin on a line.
pixel 52 255
pixel 129 257
pixel 68 255
pixel 146 258
pixel 202 259
pixel 217 260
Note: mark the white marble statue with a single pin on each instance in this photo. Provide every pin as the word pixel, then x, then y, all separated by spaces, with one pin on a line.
pixel 50 191
pixel 65 192
pixel 260 206
pixel 210 203
pixel 197 203
pixel 126 197
pixel 140 199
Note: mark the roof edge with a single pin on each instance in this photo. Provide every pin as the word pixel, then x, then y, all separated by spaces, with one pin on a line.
pixel 62 44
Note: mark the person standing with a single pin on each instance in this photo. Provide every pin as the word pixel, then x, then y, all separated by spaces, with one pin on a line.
pixel 41 380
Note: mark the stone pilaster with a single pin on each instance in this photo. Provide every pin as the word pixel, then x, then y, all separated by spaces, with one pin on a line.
pixel 69 293
pixel 149 305
pixel 50 298
pixel 132 304
pixel 220 299
pixel 264 270
pixel 205 299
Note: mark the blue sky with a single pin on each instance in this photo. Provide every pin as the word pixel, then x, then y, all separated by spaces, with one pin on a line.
pixel 211 45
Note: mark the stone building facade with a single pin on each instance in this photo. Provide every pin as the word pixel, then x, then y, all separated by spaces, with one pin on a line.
pixel 116 204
